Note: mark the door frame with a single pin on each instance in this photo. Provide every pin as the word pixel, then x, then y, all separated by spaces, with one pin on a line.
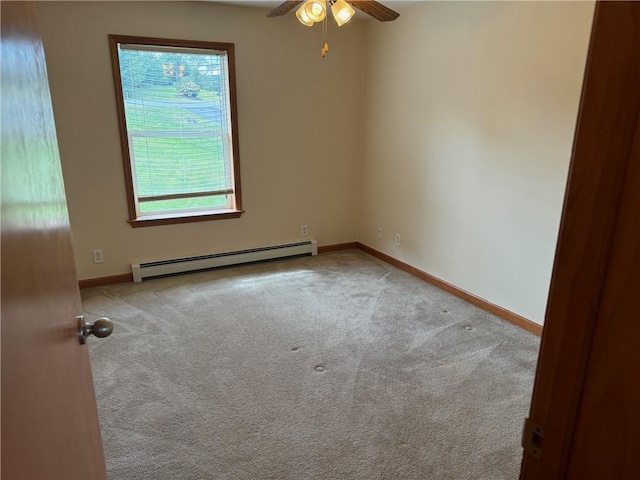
pixel 606 128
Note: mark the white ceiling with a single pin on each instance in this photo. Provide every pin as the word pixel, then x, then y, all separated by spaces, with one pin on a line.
pixel 269 4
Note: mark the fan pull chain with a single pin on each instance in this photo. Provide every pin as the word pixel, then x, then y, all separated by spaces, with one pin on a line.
pixel 325 29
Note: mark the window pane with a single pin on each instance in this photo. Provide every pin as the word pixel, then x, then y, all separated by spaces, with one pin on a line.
pixel 169 165
pixel 219 201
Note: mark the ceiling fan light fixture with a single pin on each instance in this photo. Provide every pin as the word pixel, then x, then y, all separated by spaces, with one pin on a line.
pixel 303 18
pixel 342 12
pixel 316 10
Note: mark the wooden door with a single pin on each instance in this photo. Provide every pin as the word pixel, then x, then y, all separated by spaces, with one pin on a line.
pixel 49 417
pixel 606 441
pixel 587 389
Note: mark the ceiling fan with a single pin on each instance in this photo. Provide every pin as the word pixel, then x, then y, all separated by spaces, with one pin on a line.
pixel 315 11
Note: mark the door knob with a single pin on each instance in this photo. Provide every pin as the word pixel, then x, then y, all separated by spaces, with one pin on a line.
pixel 101 328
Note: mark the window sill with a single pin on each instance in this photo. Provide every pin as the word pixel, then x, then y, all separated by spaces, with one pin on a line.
pixel 172 218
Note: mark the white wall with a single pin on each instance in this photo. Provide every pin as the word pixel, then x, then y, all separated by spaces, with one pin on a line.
pixel 298 132
pixel 470 110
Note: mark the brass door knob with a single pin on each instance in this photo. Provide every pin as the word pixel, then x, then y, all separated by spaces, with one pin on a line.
pixel 101 328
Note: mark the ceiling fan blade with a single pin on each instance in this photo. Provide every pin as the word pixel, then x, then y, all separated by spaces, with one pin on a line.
pixel 284 8
pixel 375 9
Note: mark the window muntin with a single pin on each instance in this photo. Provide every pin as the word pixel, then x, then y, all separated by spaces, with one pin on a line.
pixel 178 127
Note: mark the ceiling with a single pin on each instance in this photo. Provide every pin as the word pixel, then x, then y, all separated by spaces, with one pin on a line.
pixel 269 4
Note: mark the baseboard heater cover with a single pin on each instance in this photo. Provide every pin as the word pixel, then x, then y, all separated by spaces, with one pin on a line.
pixel 204 262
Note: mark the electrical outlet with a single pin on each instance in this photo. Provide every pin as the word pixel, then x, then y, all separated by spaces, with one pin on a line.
pixel 304 231
pixel 397 240
pixel 97 256
pixel 379 232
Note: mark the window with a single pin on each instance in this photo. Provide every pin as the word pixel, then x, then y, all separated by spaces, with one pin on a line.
pixel 178 128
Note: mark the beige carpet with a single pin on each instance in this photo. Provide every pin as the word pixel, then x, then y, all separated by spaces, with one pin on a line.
pixel 330 367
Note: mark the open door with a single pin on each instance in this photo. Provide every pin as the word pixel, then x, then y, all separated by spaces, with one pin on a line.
pixel 585 421
pixel 49 416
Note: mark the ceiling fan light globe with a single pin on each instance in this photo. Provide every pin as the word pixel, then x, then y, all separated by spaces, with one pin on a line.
pixel 316 10
pixel 342 12
pixel 303 18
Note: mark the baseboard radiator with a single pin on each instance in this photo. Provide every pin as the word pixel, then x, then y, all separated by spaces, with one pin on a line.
pixel 205 262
